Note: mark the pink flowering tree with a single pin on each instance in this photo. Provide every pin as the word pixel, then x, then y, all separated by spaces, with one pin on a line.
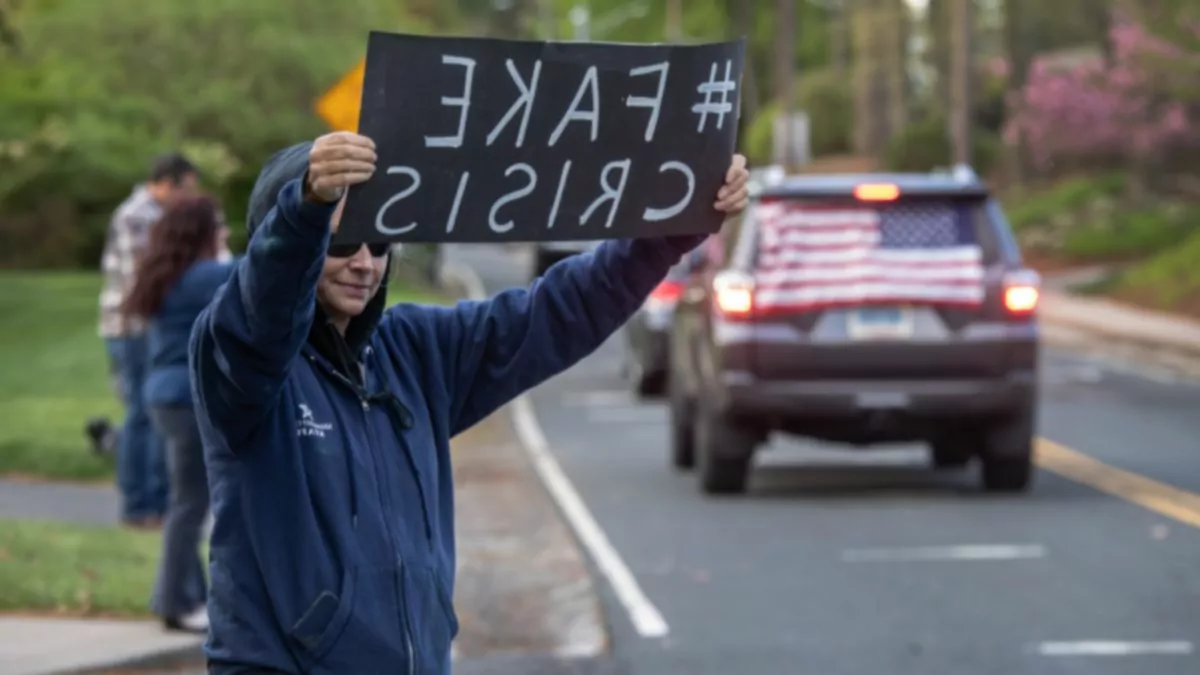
pixel 1126 110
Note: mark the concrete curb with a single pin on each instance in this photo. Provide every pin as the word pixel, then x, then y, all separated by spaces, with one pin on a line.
pixel 1166 338
pixel 164 659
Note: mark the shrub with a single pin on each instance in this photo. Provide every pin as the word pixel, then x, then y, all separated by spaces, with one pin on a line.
pixel 1093 112
pixel 925 145
pixel 825 96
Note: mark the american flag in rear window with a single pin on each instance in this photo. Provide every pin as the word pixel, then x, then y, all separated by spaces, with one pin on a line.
pixel 812 256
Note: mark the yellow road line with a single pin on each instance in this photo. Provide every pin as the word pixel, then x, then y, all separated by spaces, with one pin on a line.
pixel 1161 498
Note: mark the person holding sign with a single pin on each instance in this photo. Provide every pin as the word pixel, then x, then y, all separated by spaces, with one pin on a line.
pixel 327 420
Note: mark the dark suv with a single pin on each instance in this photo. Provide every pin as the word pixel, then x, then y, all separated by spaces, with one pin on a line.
pixel 859 309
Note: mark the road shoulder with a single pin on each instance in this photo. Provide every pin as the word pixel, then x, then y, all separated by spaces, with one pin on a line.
pixel 523 585
pixel 1164 340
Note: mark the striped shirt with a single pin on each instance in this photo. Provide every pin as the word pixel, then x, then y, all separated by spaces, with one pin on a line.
pixel 126 236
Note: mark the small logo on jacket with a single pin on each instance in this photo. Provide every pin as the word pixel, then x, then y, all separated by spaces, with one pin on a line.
pixel 308 426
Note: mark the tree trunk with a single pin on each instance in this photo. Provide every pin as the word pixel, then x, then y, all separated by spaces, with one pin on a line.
pixel 784 74
pixel 961 85
pixel 674 21
pixel 839 35
pixel 742 20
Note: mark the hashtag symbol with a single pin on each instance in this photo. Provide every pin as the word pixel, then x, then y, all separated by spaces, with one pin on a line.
pixel 711 88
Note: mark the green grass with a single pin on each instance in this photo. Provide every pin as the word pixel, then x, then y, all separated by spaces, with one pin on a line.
pixel 55 371
pixel 76 570
pixel 1170 280
pixel 55 374
pixel 1090 219
pixel 1042 207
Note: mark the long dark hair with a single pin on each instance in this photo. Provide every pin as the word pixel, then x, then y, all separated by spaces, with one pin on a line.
pixel 186 232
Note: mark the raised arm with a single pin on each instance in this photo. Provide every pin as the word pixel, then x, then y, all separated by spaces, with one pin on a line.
pixel 522 337
pixel 244 343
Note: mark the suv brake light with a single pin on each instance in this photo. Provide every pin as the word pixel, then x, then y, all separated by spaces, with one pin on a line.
pixel 665 294
pixel 877 192
pixel 734 292
pixel 1022 290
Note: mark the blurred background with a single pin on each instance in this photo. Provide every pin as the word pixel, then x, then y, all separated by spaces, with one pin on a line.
pixel 1071 107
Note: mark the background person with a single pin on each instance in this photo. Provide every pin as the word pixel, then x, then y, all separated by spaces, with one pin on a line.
pixel 141 475
pixel 327 421
pixel 178 273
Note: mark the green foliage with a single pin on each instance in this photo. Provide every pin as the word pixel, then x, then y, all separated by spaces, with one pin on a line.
pixel 1068 200
pixel 1091 219
pixel 1169 279
pixel 101 88
pixel 925 145
pixel 827 98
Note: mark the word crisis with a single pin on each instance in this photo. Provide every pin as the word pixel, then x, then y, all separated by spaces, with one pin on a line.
pixel 526 141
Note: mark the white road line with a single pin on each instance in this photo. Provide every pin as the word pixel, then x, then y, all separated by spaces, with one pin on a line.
pixel 1115 648
pixel 626 415
pixel 590 399
pixel 646 618
pixel 970 552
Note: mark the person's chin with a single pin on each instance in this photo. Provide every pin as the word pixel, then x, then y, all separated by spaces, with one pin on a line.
pixel 351 307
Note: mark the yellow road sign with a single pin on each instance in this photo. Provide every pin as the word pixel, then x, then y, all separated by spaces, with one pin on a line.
pixel 339 105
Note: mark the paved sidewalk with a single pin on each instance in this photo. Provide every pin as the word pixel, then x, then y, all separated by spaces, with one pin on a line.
pixel 66 502
pixel 43 646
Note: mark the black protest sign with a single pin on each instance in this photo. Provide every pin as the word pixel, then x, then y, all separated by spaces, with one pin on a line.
pixel 483 140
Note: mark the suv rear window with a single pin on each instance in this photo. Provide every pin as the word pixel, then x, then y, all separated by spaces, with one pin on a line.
pixel 812 252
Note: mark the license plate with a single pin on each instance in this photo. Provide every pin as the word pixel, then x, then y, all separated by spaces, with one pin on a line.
pixel 880 323
pixel 882 400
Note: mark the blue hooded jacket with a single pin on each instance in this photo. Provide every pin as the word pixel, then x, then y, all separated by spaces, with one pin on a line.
pixel 333 546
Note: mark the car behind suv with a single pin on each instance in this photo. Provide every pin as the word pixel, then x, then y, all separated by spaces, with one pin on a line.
pixel 859 309
pixel 546 253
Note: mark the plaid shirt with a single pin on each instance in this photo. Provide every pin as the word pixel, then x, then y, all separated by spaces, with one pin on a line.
pixel 126 237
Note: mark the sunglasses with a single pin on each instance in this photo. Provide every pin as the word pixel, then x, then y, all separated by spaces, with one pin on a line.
pixel 378 249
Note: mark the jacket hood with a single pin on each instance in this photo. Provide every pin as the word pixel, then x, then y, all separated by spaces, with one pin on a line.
pixel 292 164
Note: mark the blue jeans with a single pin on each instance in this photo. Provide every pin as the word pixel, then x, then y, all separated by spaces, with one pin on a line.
pixel 141 456
pixel 181 586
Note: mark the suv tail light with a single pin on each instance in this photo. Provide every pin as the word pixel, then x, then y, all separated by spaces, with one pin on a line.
pixel 665 295
pixel 1022 290
pixel 734 294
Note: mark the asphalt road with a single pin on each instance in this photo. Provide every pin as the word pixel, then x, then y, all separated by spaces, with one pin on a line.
pixel 866 563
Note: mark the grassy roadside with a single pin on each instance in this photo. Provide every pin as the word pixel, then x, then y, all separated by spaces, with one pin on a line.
pixel 76 570
pixel 55 372
pixel 1153 247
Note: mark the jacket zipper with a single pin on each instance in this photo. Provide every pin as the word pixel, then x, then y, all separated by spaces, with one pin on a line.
pixel 401 596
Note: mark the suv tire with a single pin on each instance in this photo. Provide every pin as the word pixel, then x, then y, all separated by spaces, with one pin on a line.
pixel 1008 454
pixel 651 384
pixel 682 426
pixel 725 451
pixel 951 453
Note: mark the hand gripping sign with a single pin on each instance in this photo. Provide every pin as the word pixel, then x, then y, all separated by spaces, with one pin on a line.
pixel 483 140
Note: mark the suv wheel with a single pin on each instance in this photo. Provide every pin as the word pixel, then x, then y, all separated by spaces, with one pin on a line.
pixel 1008 454
pixel 951 453
pixel 650 384
pixel 725 452
pixel 683 451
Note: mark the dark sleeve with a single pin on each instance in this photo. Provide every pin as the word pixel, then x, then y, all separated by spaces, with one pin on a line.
pixel 501 347
pixel 244 343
